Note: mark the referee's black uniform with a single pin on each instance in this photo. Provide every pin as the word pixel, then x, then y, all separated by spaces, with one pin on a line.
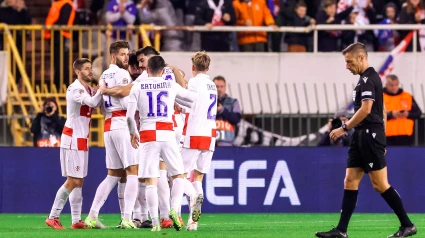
pixel 367 148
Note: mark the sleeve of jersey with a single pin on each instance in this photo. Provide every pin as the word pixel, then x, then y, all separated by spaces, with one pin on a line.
pixel 367 91
pixel 82 97
pixel 131 110
pixel 192 86
pixel 185 97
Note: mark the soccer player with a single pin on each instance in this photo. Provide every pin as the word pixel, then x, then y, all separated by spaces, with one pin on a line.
pixel 154 98
pixel 120 157
pixel 143 55
pixel 133 66
pixel 200 130
pixel 367 150
pixel 74 144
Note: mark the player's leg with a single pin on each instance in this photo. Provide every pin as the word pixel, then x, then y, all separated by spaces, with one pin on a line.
pixel 148 169
pixel 72 167
pixel 115 173
pixel 76 196
pixel 380 183
pixel 353 175
pixel 190 157
pixel 120 192
pixel 144 212
pixel 172 157
pixel 164 196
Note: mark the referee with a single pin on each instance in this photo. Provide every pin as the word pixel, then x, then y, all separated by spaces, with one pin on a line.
pixel 367 149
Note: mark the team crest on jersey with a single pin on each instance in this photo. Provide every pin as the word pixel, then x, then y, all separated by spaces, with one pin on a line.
pixel 81 91
pixel 125 81
pixel 77 168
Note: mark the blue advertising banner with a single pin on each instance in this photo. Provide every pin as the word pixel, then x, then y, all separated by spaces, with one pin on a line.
pixel 241 180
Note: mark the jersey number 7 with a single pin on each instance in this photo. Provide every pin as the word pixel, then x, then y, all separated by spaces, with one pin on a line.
pixel 159 103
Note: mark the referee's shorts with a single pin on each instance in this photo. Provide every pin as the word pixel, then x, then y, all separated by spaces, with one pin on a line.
pixel 367 149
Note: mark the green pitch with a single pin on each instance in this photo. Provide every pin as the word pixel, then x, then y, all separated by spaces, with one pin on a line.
pixel 218 225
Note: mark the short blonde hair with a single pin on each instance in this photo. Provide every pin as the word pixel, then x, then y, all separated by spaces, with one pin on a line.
pixel 201 61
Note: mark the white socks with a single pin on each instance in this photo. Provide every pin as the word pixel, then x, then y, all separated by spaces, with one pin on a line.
pixel 152 201
pixel 76 202
pixel 198 187
pixel 102 193
pixel 142 201
pixel 130 195
pixel 60 200
pixel 189 190
pixel 163 195
pixel 177 193
pixel 120 190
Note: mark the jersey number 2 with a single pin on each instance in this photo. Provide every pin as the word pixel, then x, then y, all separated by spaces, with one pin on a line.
pixel 159 103
pixel 214 98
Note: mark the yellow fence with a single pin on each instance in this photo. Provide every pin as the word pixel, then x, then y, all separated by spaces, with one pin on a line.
pixel 41 67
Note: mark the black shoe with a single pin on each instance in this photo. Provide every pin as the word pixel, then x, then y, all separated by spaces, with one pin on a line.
pixel 146 224
pixel 405 232
pixel 119 225
pixel 137 223
pixel 334 233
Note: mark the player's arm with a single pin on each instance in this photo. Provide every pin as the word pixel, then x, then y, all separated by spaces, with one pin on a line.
pixel 179 77
pixel 361 114
pixel 131 123
pixel 185 97
pixel 117 91
pixel 81 96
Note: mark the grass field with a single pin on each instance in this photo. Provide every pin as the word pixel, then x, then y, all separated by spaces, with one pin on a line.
pixel 218 225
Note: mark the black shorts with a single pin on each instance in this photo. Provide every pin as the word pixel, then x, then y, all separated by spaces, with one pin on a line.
pixel 367 149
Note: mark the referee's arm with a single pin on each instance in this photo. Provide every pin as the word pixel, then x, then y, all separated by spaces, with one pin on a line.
pixel 361 114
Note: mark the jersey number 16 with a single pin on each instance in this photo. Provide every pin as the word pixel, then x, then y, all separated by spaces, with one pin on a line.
pixel 159 103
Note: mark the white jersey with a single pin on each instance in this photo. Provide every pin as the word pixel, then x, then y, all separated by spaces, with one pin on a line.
pixel 78 115
pixel 155 103
pixel 200 127
pixel 167 75
pixel 115 108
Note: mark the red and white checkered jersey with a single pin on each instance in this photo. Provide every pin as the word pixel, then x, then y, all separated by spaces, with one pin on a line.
pixel 77 126
pixel 115 108
pixel 200 127
pixel 155 103
pixel 167 75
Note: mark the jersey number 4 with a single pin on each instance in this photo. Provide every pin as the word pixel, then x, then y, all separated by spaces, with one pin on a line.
pixel 159 103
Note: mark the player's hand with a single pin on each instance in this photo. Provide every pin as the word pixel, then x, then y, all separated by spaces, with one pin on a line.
pixel 102 88
pixel 95 88
pixel 337 133
pixel 134 140
pixel 177 108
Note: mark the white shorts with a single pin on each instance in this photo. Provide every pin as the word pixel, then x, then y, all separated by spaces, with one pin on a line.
pixel 150 152
pixel 196 159
pixel 74 163
pixel 119 152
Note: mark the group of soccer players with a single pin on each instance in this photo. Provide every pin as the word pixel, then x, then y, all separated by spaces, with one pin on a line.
pixel 158 129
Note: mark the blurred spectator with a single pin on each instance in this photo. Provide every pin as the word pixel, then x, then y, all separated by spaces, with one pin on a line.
pixel 275 37
pixel 121 13
pixel 402 111
pixel 413 12
pixel 212 13
pixel 252 13
pixel 162 13
pixel 14 12
pixel 388 39
pixel 298 42
pixel 48 125
pixel 334 123
pixel 133 66
pixel 228 114
pixel 328 40
pixel 62 13
pixel 362 14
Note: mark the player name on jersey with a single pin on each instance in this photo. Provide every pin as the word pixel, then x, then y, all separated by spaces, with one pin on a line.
pixel 155 85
